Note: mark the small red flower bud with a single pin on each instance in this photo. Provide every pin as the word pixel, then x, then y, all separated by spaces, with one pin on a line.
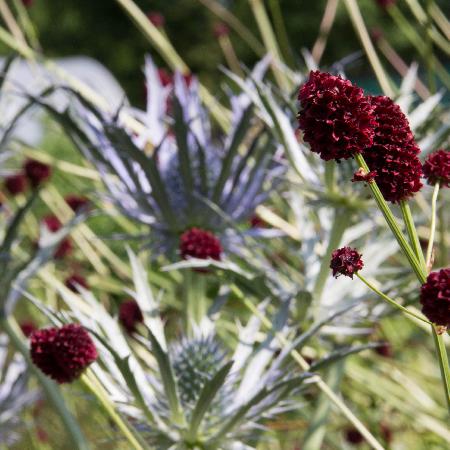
pixel 393 155
pixel 52 223
pixel 221 30
pixel 362 175
pixel 385 350
pixel 198 243
pixel 62 353
pixel 36 172
pixel 257 222
pixel 76 202
pixel 346 261
pixel 156 18
pixel 336 118
pixel 27 327
pixel 74 280
pixel 437 168
pixel 65 247
pixel 353 436
pixel 16 184
pixel 435 297
pixel 130 315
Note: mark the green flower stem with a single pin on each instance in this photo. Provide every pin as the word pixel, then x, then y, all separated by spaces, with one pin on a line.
pixel 443 363
pixel 412 233
pixel 443 248
pixel 392 222
pixel 298 358
pixel 432 226
pixel 51 389
pixel 195 301
pixel 88 379
pixel 390 300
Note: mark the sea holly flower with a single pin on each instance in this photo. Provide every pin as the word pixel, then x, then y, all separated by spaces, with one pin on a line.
pixel 394 153
pixel 130 315
pixel 193 178
pixel 435 297
pixel 36 172
pixel 62 353
pixel 437 168
pixel 346 261
pixel 336 118
pixel 16 184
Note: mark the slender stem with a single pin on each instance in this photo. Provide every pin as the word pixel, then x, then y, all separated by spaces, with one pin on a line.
pixel 358 23
pixel 280 29
pixel 390 300
pixel 443 249
pixel 328 18
pixel 443 363
pixel 432 226
pixel 298 358
pixel 392 222
pixel 412 233
pixel 97 390
pixel 10 327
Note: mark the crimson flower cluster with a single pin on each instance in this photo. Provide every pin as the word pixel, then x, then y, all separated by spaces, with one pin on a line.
pixel 33 173
pixel 437 168
pixel 62 353
pixel 74 281
pixel 198 243
pixel 130 315
pixel 336 118
pixel 76 202
pixel 435 297
pixel 346 261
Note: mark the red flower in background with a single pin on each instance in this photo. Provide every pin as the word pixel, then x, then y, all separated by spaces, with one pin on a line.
pixel 156 18
pixel 437 168
pixel 220 30
pixel 336 118
pixel 393 155
pixel 16 184
pixel 74 280
pixel 27 327
pixel 198 243
pixel 346 261
pixel 130 315
pixel 36 172
pixel 435 297
pixel 62 353
pixel 76 202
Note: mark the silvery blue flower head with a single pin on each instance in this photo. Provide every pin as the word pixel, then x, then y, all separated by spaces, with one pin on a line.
pixel 178 173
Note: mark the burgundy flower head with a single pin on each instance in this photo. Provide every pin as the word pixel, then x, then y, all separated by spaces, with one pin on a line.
pixel 52 223
pixel 62 353
pixel 353 436
pixel 156 18
pixel 385 349
pixel 220 30
pixel 76 202
pixel 336 118
pixel 437 168
pixel 16 184
pixel 130 315
pixel 393 155
pixel 346 261
pixel 74 280
pixel 27 327
pixel 36 172
pixel 257 222
pixel 198 243
pixel 435 297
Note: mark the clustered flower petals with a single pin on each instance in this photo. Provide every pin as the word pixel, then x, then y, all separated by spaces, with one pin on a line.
pixel 437 168
pixel 335 117
pixel 36 172
pixel 62 353
pixel 346 261
pixel 76 202
pixel 16 184
pixel 198 243
pixel 362 175
pixel 130 315
pixel 393 155
pixel 435 297
pixel 27 327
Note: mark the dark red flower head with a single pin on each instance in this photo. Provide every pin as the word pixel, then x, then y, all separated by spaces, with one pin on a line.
pixel 74 280
pixel 335 117
pixel 346 261
pixel 385 349
pixel 257 222
pixel 437 168
pixel 62 353
pixel 27 327
pixel 52 223
pixel 76 202
pixel 435 297
pixel 221 30
pixel 36 172
pixel 16 184
pixel 353 436
pixel 198 243
pixel 393 155
pixel 130 315
pixel 156 18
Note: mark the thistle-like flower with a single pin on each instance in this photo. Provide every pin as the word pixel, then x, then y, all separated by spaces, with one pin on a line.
pixel 437 168
pixel 36 172
pixel 62 353
pixel 346 261
pixel 435 297
pixel 16 184
pixel 191 179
